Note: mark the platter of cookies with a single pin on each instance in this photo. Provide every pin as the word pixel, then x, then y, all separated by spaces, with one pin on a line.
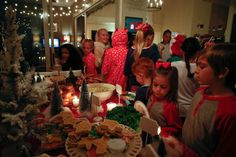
pixel 107 138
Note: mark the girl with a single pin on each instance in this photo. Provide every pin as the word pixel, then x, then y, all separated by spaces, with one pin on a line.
pixel 187 83
pixel 101 44
pixel 89 58
pixel 164 46
pixel 143 70
pixel 209 129
pixel 143 47
pixel 70 58
pixel 162 102
pixel 114 59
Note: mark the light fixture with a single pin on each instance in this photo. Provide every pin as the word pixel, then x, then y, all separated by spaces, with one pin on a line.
pixel 154 4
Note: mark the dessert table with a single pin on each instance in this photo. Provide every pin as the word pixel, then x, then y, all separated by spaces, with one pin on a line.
pixel 71 107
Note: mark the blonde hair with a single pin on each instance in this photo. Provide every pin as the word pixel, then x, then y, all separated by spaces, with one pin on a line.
pixel 139 44
pixel 140 37
pixel 90 41
pixel 99 32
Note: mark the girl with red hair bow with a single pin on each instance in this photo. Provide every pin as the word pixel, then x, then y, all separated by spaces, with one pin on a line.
pixel 162 102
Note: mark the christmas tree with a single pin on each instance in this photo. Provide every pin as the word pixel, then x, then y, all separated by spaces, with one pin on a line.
pixel 19 99
pixel 84 101
pixel 56 100
pixel 71 78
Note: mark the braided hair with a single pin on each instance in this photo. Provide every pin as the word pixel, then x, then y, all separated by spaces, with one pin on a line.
pixel 190 48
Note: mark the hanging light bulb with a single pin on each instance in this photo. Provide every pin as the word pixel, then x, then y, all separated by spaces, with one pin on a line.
pixel 154 4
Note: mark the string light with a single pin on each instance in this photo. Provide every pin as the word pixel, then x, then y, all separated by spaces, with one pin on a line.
pixel 34 10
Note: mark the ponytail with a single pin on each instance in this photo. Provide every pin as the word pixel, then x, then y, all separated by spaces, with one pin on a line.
pixel 139 44
pixel 189 74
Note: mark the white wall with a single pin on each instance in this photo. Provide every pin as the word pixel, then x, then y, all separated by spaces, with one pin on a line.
pixel 201 15
pixel 102 18
pixel 182 17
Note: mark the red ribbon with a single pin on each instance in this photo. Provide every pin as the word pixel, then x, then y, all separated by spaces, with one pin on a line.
pixel 142 27
pixel 165 65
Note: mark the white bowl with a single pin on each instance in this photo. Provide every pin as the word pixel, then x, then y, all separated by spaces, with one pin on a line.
pixel 102 90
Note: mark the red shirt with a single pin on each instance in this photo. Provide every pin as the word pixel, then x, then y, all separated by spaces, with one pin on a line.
pixel 166 114
pixel 89 62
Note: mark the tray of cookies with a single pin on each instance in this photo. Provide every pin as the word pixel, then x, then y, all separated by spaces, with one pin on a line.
pixel 107 138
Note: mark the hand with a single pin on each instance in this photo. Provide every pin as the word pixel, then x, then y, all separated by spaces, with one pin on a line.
pixel 174 147
pixel 209 44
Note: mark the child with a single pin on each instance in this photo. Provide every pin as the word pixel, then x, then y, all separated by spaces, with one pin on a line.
pixel 162 102
pixel 210 126
pixel 143 70
pixel 186 67
pixel 101 44
pixel 143 47
pixel 164 46
pixel 70 58
pixel 89 58
pixel 114 59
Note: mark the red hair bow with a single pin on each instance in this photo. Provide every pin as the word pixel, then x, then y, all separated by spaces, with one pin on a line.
pixel 142 27
pixel 165 65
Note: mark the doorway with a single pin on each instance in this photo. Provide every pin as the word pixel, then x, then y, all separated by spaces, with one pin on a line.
pixel 233 32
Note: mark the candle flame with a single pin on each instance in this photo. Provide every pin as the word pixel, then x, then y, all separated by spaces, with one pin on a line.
pixel 158 130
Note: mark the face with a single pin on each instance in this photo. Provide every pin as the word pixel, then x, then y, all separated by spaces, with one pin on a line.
pixel 87 47
pixel 139 78
pixel 160 86
pixel 64 55
pixel 166 38
pixel 103 36
pixel 204 73
pixel 149 40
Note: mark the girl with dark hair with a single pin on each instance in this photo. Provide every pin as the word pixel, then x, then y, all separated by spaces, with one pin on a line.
pixel 210 125
pixel 143 47
pixel 70 58
pixel 186 68
pixel 163 99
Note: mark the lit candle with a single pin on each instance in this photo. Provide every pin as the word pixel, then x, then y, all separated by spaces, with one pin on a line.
pixel 161 149
pixel 111 105
pixel 75 101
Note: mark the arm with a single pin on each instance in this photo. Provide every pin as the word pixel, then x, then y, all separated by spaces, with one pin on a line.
pixel 226 128
pixel 127 68
pixel 157 53
pixel 176 148
pixel 98 52
pixel 174 124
